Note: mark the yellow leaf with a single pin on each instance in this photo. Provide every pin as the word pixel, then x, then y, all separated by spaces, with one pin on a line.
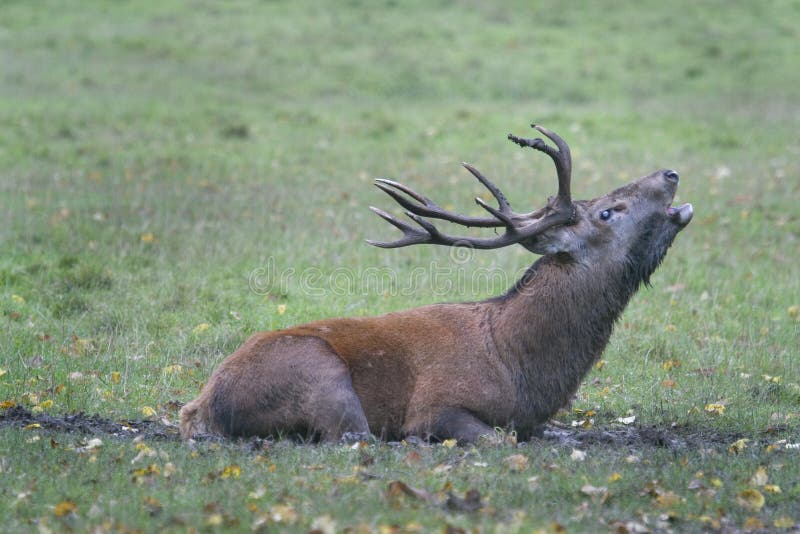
pixel 147 411
pixel 772 379
pixel 750 499
pixel 717 483
pixel 668 383
pixel 794 311
pixel 738 446
pixel 65 508
pixel 175 369
pixel 760 477
pixel 614 477
pixel 32 426
pixel 18 300
pixel 668 499
pixel 46 404
pixel 5 405
pixel 281 309
pixel 516 462
pixel 147 237
pixel 753 523
pixel 715 408
pixel 600 365
pixel 115 377
pixel 214 520
pixel 233 471
pixel 202 327
pixel 772 488
pixel 784 522
pixel 450 443
pixel 671 364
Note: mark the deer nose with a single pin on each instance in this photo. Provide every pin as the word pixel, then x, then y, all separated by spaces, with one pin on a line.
pixel 671 175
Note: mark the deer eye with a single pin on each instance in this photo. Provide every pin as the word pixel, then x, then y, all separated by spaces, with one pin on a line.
pixel 605 215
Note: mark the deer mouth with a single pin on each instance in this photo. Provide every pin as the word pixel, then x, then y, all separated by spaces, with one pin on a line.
pixel 680 215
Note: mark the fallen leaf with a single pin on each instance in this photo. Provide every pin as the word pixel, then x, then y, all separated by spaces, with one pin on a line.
pixel 753 523
pixel 199 329
pixel 627 420
pixel 695 484
pixel 760 477
pixel 397 489
pixel 231 471
pixel 470 503
pixel 750 499
pixel 516 462
pixel 578 455
pixel 629 527
pixel 450 443
pixel 668 499
pixel 783 522
pixel 323 524
pixel 147 411
pixel 281 513
pixel 65 508
pixel 772 488
pixel 591 491
pixel 715 408
pixel 738 446
pixel 412 458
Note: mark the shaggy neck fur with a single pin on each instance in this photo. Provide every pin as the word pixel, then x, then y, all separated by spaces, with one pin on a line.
pixel 557 320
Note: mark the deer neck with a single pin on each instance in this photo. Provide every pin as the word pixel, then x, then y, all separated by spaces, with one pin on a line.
pixel 553 325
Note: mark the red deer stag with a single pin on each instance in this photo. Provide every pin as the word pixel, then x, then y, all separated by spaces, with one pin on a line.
pixel 458 370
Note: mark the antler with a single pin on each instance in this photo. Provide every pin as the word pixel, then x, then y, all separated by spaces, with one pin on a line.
pixel 519 226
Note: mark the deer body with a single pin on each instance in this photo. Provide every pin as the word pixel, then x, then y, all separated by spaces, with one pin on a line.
pixel 457 370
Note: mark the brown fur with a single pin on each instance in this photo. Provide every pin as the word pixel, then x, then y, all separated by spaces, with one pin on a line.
pixel 453 370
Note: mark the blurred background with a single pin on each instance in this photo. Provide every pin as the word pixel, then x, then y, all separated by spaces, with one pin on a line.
pixel 154 155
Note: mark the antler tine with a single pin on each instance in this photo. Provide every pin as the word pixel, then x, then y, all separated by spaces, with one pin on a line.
pixel 562 158
pixel 428 208
pixel 411 235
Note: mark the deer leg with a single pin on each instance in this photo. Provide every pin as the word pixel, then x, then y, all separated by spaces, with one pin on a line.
pixel 336 411
pixel 460 424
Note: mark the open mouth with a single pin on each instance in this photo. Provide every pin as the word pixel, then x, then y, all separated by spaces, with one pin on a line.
pixel 681 215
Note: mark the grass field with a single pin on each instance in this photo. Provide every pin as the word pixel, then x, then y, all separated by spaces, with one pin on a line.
pixel 163 165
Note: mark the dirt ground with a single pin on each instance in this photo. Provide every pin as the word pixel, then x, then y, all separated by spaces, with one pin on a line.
pixel 633 436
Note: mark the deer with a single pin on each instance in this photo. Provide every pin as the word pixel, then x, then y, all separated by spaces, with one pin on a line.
pixel 458 370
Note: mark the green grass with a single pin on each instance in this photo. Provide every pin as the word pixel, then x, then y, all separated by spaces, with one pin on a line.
pixel 154 155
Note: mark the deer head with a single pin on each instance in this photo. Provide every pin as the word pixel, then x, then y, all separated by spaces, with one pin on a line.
pixel 631 226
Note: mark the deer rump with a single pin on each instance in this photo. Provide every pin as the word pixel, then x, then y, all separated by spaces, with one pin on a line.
pixel 458 370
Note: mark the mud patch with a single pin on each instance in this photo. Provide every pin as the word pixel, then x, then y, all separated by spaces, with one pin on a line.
pixel 631 437
pixel 637 437
pixel 80 423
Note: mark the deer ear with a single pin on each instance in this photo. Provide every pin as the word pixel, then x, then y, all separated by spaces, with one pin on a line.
pixel 552 241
